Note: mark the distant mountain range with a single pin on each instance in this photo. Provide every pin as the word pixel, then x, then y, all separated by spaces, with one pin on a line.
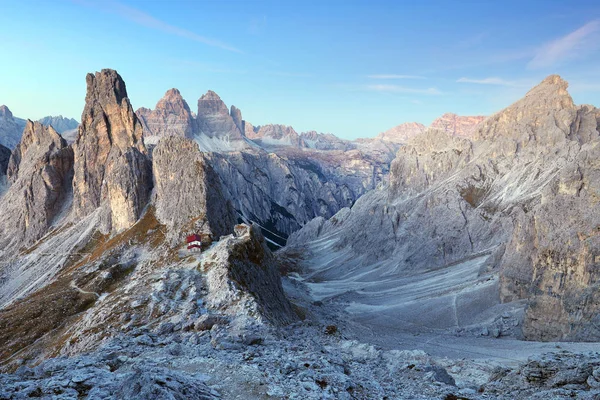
pixel 11 127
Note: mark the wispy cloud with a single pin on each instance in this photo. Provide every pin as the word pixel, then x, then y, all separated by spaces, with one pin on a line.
pixel 141 18
pixel 257 25
pixel 401 89
pixel 576 44
pixel 488 81
pixel 290 74
pixel 394 76
pixel 472 41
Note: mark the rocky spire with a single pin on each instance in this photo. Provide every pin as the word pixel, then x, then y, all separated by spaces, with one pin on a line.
pixel 171 117
pixel 112 169
pixel 236 114
pixel 40 170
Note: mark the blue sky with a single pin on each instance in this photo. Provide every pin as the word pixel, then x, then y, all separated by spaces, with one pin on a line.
pixel 346 67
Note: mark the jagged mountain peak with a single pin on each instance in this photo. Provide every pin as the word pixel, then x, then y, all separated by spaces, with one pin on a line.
pixel 210 103
pixel 105 87
pixel 173 101
pixel 210 95
pixel 59 123
pixel 551 92
pixel 111 165
pixel 173 92
pixel 5 112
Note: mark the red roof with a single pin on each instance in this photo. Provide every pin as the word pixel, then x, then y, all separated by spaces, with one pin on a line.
pixel 193 238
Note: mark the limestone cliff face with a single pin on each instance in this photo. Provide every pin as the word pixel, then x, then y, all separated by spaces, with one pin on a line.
pixel 402 132
pixel 11 128
pixel 457 125
pixel 217 128
pixel 171 117
pixel 40 172
pixel 189 196
pixel 520 198
pixel 284 191
pixel 112 169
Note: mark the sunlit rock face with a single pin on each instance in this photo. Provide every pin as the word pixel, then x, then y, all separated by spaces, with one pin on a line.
pixel 457 125
pixel 171 117
pixel 112 169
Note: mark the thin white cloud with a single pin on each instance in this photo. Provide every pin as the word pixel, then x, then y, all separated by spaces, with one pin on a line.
pixel 290 74
pixel 487 81
pixel 394 76
pixel 576 44
pixel 141 18
pixel 401 89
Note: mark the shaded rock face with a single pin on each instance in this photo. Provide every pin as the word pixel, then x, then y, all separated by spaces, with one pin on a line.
pixel 40 171
pixel 236 114
pixel 112 169
pixel 11 128
pixel 457 125
pixel 402 132
pixel 514 206
pixel 4 157
pixel 60 123
pixel 171 117
pixel 217 129
pixel 188 193
pixel 243 278
pixel 283 192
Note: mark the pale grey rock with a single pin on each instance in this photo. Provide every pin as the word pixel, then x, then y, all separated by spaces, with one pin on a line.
pixel 60 124
pixel 275 135
pixel 11 128
pixel 243 279
pixel 325 141
pixel 508 214
pixel 40 172
pixel 189 197
pixel 216 128
pixel 112 169
pixel 207 321
pixel 284 191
